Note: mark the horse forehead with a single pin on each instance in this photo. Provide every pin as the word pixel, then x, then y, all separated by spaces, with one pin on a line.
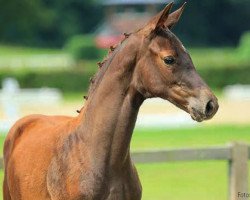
pixel 183 48
pixel 178 44
pixel 169 39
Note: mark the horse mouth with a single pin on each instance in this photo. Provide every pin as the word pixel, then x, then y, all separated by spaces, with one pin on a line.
pixel 197 115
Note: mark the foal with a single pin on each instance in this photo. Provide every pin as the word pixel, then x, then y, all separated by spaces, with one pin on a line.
pixel 88 157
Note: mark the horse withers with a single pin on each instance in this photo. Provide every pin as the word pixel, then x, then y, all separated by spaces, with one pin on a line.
pixel 88 156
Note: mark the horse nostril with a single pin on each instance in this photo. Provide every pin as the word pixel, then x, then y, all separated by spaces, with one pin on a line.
pixel 209 108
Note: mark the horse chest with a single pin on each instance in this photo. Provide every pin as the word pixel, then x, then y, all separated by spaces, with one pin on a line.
pixel 124 190
pixel 94 185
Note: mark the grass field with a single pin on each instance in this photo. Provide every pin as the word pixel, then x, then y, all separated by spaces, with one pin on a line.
pixel 206 180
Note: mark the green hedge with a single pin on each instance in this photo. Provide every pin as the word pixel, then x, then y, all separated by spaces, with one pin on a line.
pixel 78 81
pixel 83 47
pixel 67 81
pixel 217 78
pixel 244 47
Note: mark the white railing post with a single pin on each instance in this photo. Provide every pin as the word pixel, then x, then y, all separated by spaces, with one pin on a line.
pixel 238 172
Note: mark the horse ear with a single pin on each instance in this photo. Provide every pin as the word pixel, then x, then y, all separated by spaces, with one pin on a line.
pixel 174 17
pixel 162 17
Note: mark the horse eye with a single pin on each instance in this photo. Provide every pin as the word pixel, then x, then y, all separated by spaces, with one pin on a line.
pixel 169 60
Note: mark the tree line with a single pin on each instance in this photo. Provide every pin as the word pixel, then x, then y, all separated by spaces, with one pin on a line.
pixel 47 23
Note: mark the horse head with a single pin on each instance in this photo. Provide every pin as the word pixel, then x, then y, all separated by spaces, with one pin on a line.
pixel 165 69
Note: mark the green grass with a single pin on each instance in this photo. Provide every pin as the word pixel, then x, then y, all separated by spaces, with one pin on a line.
pixel 206 180
pixel 9 50
pixel 184 180
pixel 191 137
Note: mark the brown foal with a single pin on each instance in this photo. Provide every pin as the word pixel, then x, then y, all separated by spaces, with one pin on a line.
pixel 88 157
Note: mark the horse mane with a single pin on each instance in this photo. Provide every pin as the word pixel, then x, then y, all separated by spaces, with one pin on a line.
pixel 103 66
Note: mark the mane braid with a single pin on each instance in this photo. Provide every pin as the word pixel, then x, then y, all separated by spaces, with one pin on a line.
pixel 103 66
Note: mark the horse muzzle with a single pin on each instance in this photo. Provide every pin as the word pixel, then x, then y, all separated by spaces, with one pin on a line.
pixel 204 109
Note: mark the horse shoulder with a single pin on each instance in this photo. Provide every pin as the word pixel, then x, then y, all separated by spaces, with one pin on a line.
pixel 34 136
pixel 27 125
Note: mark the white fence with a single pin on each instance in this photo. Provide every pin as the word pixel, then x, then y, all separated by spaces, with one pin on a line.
pixel 237 155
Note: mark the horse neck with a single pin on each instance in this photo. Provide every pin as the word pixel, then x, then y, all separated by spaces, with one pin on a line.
pixel 111 111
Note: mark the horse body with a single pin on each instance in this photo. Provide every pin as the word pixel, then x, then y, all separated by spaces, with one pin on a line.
pixel 55 163
pixel 29 148
pixel 84 157
pixel 88 156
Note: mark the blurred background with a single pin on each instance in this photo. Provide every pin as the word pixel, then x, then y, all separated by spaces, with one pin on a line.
pixel 49 50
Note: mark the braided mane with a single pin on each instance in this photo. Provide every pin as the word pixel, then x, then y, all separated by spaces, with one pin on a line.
pixel 103 66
